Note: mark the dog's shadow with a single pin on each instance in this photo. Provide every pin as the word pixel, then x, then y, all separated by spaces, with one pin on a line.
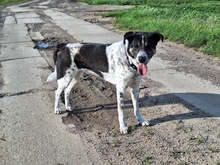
pixel 164 99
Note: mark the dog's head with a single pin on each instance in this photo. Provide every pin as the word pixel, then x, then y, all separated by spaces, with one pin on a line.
pixel 141 47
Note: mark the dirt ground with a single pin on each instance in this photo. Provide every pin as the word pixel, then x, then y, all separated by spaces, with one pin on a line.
pixel 180 133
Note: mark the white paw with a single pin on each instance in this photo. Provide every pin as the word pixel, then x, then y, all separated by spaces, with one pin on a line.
pixel 69 108
pixel 57 111
pixel 124 130
pixel 145 123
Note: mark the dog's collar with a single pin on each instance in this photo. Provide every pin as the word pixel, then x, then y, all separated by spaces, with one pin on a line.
pixel 133 66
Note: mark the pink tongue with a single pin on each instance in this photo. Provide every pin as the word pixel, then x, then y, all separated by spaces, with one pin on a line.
pixel 142 69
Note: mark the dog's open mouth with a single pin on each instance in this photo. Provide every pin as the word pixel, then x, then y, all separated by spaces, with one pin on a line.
pixel 142 69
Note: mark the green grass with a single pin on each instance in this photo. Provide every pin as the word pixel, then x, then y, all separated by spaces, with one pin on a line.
pixel 195 23
pixel 113 2
pixel 7 2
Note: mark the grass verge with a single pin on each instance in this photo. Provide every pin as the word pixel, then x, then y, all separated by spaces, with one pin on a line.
pixel 7 2
pixel 194 23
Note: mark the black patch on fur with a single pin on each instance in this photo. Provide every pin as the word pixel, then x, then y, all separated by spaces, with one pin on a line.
pixel 93 57
pixel 58 48
pixel 129 36
pixel 121 95
pixel 63 61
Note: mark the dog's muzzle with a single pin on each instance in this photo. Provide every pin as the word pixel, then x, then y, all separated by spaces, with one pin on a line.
pixel 142 57
pixel 142 60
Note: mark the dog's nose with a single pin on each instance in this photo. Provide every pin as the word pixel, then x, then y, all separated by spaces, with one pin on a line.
pixel 142 59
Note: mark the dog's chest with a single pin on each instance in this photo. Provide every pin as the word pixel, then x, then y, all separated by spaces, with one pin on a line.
pixel 119 68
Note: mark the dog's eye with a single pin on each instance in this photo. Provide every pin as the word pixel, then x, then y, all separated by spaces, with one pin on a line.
pixel 137 46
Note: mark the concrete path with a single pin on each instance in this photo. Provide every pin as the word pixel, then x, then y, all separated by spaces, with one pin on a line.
pixel 30 133
pixel 82 30
pixel 200 93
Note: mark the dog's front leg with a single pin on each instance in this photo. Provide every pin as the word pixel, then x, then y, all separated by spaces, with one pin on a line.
pixel 121 118
pixel 135 96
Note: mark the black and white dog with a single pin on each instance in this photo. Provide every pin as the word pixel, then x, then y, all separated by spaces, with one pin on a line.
pixel 121 63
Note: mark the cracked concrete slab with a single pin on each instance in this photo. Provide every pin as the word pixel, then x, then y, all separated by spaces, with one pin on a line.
pixel 22 74
pixel 14 33
pixel 10 20
pixel 32 133
pixel 29 20
pixel 14 51
pixel 28 17
pixel 82 30
pixel 17 9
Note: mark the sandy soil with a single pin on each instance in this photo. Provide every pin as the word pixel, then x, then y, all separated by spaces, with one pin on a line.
pixel 180 133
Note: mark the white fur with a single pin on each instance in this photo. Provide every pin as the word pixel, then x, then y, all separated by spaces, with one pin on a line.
pixel 52 77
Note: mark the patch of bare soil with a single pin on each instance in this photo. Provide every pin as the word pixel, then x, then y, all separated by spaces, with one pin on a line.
pixel 180 133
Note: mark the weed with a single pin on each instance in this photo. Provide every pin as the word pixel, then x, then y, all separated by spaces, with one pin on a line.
pixel 148 132
pixel 147 160
pixel 214 149
pixel 114 133
pixel 116 143
pixel 176 153
pixel 182 163
pixel 132 128
pixel 199 139
pixel 104 151
pixel 137 152
pixel 181 127
pixel 218 163
pixel 3 137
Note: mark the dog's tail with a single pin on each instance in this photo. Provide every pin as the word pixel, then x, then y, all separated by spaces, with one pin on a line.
pixel 53 76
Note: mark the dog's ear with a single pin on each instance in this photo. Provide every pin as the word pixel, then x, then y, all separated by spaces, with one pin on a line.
pixel 156 37
pixel 129 36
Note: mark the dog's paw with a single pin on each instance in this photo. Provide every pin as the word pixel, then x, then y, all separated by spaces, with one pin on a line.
pixel 57 111
pixel 145 123
pixel 69 108
pixel 124 130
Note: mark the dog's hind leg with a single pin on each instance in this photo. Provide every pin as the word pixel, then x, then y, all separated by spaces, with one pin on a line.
pixel 69 88
pixel 62 85
pixel 134 90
